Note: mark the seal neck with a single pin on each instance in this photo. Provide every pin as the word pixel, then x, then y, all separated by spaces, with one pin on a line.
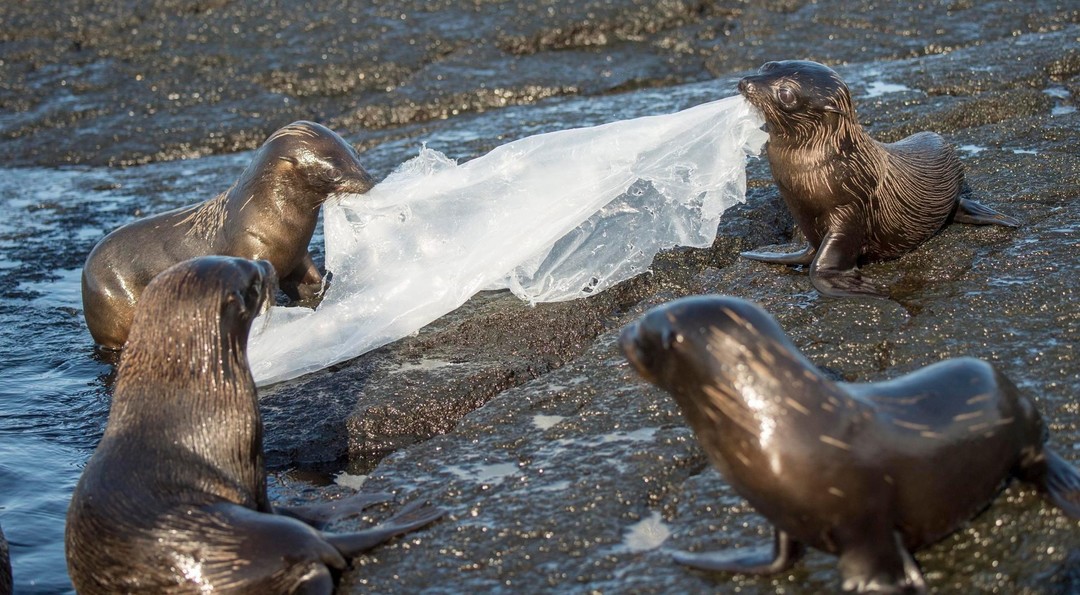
pixel 190 396
pixel 763 385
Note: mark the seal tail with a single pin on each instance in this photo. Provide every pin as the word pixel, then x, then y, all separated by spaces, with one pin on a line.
pixel 1061 483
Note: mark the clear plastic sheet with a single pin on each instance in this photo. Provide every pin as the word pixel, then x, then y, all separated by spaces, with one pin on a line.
pixel 551 217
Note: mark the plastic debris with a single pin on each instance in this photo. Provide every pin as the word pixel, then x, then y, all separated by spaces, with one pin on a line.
pixel 551 217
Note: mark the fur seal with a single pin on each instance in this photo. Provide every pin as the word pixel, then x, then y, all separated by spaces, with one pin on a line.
pixel 868 472
pixel 269 213
pixel 854 199
pixel 174 498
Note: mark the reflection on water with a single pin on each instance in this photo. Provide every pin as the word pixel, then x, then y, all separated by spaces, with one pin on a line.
pixel 55 389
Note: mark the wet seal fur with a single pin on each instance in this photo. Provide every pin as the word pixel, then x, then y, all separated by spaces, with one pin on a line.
pixel 174 498
pixel 854 199
pixel 868 472
pixel 269 213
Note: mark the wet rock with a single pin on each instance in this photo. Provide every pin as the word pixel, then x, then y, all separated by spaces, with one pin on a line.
pixel 141 81
pixel 551 482
pixel 559 468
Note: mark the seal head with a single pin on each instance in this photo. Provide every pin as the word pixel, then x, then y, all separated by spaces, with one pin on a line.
pixel 174 498
pixel 854 199
pixel 270 213
pixel 867 472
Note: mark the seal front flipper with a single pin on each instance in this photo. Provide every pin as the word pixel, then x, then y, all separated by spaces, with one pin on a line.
pixel 783 554
pixel 804 256
pixel 412 517
pixel 973 213
pixel 877 564
pixel 324 513
pixel 834 271
pixel 305 283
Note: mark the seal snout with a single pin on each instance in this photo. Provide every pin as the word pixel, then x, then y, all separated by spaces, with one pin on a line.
pixel 264 287
pixel 638 344
pixel 749 85
pixel 628 342
pixel 357 182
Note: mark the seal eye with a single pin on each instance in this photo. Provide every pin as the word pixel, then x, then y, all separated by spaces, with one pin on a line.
pixel 786 97
pixel 252 294
pixel 333 174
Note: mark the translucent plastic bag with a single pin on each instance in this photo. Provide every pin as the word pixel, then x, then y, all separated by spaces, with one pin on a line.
pixel 551 217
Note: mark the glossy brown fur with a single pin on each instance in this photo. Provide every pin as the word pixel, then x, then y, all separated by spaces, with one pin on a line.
pixel 269 213
pixel 174 498
pixel 854 199
pixel 867 472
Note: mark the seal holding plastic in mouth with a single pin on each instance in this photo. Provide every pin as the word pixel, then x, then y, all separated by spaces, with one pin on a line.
pixel 854 199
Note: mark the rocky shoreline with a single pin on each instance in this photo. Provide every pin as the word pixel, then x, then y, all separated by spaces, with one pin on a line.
pixel 560 469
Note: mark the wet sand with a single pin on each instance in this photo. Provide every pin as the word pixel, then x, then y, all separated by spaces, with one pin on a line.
pixel 525 423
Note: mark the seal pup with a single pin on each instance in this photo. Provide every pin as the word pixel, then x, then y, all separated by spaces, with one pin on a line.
pixel 269 213
pixel 174 498
pixel 854 199
pixel 868 472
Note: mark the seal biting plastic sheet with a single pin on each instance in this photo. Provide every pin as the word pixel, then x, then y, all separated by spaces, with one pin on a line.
pixel 552 217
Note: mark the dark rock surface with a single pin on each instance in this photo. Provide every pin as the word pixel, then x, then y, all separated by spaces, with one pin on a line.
pixel 169 79
pixel 545 481
pixel 524 422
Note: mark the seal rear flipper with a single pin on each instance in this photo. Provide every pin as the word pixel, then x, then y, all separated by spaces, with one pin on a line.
pixel 880 565
pixel 1061 482
pixel 783 554
pixel 804 256
pixel 973 213
pixel 324 513
pixel 412 517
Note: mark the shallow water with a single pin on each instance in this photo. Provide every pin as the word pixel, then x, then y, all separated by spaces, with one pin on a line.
pixel 54 390
pixel 56 394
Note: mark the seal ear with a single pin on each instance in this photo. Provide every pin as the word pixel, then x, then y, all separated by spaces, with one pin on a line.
pixel 831 106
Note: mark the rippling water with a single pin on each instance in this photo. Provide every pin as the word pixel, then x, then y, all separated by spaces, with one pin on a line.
pixel 55 388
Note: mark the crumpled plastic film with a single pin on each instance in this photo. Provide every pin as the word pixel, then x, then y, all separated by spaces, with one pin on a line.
pixel 552 217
